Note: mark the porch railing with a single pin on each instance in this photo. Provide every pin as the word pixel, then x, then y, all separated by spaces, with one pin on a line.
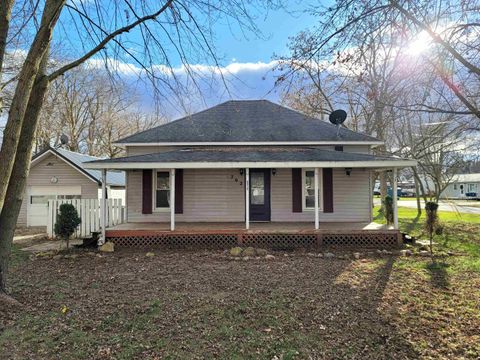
pixel 89 212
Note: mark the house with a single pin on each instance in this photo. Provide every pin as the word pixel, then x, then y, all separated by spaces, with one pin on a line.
pixel 251 170
pixel 463 186
pixel 59 174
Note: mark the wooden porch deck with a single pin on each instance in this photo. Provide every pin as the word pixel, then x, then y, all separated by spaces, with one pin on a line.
pixel 143 228
pixel 266 235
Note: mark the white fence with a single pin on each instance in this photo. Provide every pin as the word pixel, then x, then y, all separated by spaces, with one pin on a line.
pixel 89 212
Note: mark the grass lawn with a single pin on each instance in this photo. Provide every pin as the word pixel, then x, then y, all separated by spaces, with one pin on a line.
pixel 399 198
pixel 461 234
pixel 204 305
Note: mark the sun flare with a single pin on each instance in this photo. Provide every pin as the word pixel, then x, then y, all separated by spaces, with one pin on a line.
pixel 421 43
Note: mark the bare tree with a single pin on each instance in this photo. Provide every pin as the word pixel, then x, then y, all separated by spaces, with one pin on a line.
pixel 366 81
pixel 445 33
pixel 92 111
pixel 386 60
pixel 439 144
pixel 166 30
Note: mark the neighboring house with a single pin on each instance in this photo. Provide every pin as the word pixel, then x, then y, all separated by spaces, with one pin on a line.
pixel 59 174
pixel 463 186
pixel 244 162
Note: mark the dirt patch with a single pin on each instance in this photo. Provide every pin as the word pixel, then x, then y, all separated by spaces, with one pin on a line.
pixel 206 305
pixel 21 231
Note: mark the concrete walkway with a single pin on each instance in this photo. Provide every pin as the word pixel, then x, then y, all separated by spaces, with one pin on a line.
pixel 51 245
pixel 24 238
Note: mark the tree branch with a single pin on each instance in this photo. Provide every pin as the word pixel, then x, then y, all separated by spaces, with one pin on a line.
pixel 106 40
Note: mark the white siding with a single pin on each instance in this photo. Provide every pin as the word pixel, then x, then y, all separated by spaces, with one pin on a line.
pixel 351 199
pixel 208 195
pixel 453 190
pixel 212 195
pixel 41 174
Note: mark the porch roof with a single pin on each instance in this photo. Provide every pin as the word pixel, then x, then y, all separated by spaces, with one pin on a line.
pixel 239 158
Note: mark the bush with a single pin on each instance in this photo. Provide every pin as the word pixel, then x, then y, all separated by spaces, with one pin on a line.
pixel 389 209
pixel 67 222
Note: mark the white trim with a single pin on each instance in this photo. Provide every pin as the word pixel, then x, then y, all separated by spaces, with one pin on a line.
pixel 370 186
pixel 156 209
pixel 243 143
pixel 395 196
pixel 38 159
pixel 320 181
pixel 316 179
pixel 103 208
pixel 51 152
pixel 247 198
pixel 376 164
pixel 172 199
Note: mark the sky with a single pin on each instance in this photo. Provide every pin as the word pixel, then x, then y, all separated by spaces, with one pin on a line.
pixel 276 26
pixel 246 62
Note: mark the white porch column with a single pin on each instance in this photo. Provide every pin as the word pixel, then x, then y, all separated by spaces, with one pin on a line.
pixel 317 220
pixel 103 208
pixel 247 198
pixel 394 194
pixel 172 199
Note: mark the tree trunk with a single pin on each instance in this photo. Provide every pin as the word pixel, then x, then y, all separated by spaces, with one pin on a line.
pixel 417 194
pixel 5 14
pixel 21 168
pixel 383 189
pixel 26 80
pixel 420 184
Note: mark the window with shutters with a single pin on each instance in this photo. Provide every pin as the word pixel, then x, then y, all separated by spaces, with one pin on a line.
pixel 308 191
pixel 161 185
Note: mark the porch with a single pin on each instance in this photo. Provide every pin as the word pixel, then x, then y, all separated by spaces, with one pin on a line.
pixel 267 197
pixel 260 234
pixel 239 227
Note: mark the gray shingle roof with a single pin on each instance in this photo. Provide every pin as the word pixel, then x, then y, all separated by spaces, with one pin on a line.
pixel 242 155
pixel 246 121
pixel 115 178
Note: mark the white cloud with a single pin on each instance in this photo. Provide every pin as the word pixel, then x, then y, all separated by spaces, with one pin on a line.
pixel 130 69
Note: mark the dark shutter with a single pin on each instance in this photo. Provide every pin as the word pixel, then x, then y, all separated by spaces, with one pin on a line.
pixel 147 187
pixel 296 190
pixel 327 190
pixel 179 191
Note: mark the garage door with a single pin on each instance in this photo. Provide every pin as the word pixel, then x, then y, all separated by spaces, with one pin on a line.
pixel 38 201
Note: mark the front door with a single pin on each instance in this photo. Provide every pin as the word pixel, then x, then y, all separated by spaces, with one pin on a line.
pixel 259 194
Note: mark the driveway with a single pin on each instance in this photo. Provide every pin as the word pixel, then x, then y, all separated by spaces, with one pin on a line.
pixel 463 207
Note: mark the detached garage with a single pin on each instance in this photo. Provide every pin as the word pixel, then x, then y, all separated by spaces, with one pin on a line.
pixel 59 174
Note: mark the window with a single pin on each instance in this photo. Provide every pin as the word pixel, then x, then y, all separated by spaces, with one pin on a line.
pixel 41 199
pixel 162 190
pixel 257 193
pixel 308 176
pixel 68 197
pixel 338 147
pixel 454 186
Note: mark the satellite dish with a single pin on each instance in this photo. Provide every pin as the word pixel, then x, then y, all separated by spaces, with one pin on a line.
pixel 338 117
pixel 64 139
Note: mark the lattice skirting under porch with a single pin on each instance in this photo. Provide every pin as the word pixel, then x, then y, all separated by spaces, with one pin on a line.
pixel 278 241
